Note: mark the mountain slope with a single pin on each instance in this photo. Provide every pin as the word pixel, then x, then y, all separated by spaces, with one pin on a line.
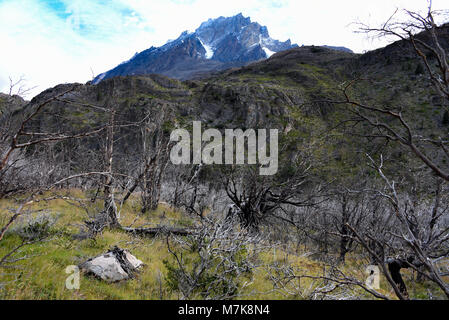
pixel 10 103
pixel 288 91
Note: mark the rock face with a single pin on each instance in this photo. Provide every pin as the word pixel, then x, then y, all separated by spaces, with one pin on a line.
pixel 115 265
pixel 216 45
pixel 10 103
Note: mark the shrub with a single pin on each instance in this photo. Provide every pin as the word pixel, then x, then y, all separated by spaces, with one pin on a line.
pixel 419 69
pixel 35 227
pixel 212 263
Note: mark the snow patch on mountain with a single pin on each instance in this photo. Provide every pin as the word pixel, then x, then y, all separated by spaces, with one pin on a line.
pixel 209 49
pixel 268 52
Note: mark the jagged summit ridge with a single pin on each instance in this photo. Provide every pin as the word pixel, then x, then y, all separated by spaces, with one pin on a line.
pixel 216 33
pixel 215 45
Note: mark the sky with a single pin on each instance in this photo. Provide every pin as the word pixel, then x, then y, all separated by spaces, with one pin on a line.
pixel 49 42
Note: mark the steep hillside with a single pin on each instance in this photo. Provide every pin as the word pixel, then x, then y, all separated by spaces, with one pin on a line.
pixel 293 90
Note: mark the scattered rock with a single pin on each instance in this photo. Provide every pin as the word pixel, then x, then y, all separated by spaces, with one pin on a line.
pixel 115 265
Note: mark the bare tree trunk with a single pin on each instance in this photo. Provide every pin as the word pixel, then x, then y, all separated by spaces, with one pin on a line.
pixel 154 169
pixel 394 267
pixel 110 209
pixel 344 240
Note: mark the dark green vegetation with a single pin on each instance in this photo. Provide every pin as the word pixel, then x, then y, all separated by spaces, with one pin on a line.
pixel 294 91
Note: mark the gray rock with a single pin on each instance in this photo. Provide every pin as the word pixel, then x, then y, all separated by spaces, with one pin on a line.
pixel 115 265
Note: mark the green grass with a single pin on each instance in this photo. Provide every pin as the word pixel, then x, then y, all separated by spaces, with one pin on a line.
pixel 43 276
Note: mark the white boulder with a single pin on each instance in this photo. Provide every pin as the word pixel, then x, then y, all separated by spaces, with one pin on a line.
pixel 115 265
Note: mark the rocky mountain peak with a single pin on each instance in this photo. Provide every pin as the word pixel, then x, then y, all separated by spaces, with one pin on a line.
pixel 215 45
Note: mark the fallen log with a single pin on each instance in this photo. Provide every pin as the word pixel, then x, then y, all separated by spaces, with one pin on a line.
pixel 151 232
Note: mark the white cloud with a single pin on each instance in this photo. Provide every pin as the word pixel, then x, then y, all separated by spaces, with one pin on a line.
pixel 58 41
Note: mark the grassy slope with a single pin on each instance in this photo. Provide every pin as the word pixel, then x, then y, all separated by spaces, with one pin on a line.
pixel 42 276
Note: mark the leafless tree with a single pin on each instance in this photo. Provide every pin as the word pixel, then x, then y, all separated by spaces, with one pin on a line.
pixel 411 229
pixel 19 87
pixel 429 42
pixel 156 158
pixel 419 237
pixel 213 262
pixel 257 198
